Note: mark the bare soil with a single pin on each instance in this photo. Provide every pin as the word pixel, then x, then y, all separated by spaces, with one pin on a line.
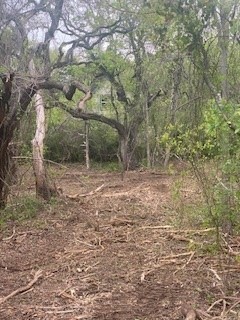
pixel 117 250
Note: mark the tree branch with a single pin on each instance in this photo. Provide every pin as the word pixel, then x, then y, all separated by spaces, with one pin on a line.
pixel 68 90
pixel 76 113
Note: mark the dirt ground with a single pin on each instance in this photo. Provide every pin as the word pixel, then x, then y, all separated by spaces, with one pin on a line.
pixel 117 250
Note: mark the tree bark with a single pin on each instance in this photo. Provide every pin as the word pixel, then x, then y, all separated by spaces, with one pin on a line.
pixel 223 29
pixel 127 145
pixel 43 189
pixel 147 135
pixel 87 157
pixel 176 82
pixel 6 134
pixel 4 173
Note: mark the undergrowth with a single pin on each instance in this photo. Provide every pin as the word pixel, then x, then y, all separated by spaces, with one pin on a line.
pixel 20 209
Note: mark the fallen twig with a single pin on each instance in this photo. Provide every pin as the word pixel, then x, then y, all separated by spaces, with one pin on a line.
pixel 37 275
pixel 191 253
pixel 216 274
pixel 166 228
pixel 192 231
pixel 232 307
pixel 179 238
pixel 9 238
pixel 214 304
pixel 62 311
pixel 184 266
pixel 156 227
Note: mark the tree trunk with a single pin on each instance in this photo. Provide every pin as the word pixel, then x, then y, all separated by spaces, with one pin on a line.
pixel 87 157
pixel 43 190
pixel 127 151
pixel 6 135
pixel 176 82
pixel 147 134
pixel 4 176
pixel 223 29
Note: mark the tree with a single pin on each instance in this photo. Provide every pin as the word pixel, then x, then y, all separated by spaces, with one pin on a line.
pixel 122 64
pixel 19 48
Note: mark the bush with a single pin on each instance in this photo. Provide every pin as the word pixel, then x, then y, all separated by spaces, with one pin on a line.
pixel 217 138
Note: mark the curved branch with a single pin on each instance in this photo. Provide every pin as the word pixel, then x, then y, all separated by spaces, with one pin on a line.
pixel 68 90
pixel 82 102
pixel 76 113
pixel 55 15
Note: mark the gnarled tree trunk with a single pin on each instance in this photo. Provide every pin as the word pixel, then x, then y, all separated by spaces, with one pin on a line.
pixel 4 173
pixel 6 134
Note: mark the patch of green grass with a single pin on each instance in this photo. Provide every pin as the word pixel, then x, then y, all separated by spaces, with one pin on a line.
pixel 210 248
pixel 107 166
pixel 23 208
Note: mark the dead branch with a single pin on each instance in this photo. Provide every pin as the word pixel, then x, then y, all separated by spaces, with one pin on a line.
pixel 157 227
pixel 214 304
pixel 121 222
pixel 184 266
pixel 167 227
pixel 158 266
pixel 37 275
pixel 216 274
pixel 192 231
pixel 9 238
pixel 75 196
pixel 179 238
pixel 232 307
pixel 184 254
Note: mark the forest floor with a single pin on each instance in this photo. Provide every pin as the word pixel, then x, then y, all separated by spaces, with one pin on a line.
pixel 135 249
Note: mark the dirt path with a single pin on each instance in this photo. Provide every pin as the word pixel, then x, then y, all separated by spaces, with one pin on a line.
pixel 115 249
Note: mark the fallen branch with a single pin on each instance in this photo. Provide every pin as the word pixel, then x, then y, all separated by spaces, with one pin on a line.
pixel 184 254
pixel 192 231
pixel 216 275
pixel 9 238
pixel 232 307
pixel 37 275
pixel 172 231
pixel 75 196
pixel 184 266
pixel 179 238
pixel 156 227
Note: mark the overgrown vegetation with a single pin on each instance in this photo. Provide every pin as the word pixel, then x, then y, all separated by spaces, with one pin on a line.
pixel 213 150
